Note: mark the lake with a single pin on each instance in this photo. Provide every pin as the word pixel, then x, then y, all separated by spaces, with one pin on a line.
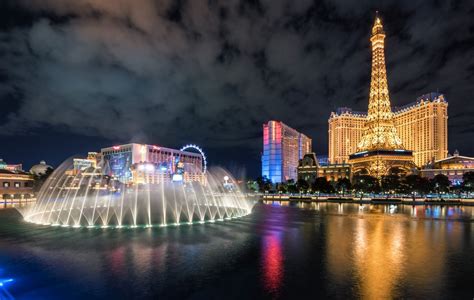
pixel 280 251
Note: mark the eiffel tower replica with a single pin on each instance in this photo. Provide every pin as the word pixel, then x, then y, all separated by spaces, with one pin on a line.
pixel 380 151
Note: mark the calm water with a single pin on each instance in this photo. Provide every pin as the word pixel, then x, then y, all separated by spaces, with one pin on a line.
pixel 326 250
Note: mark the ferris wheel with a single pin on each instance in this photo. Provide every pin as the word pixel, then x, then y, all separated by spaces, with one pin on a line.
pixel 199 149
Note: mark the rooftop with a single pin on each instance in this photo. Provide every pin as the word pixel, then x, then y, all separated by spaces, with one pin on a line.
pixel 430 97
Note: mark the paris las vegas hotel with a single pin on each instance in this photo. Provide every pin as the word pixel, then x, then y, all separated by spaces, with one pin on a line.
pixel 386 140
pixel 422 126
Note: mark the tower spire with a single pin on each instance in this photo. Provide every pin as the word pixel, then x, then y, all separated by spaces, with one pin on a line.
pixel 380 133
pixel 380 151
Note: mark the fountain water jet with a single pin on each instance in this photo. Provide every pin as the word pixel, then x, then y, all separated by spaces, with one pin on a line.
pixel 88 198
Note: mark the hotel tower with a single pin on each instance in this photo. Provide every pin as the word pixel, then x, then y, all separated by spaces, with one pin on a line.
pixel 283 147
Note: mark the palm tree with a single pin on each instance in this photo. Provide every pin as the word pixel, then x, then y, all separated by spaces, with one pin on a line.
pixel 366 184
pixel 468 182
pixel 390 183
pixel 302 185
pixel 441 183
pixel 343 185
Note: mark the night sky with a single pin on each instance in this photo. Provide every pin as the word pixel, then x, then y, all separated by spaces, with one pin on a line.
pixel 79 75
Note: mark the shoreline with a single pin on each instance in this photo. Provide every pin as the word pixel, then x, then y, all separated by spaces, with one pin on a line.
pixel 365 200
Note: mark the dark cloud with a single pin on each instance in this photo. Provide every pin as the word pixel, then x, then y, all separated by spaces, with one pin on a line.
pixel 212 72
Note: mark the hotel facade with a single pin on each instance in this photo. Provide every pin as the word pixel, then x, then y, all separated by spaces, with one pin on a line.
pixel 283 147
pixel 454 167
pixel 421 125
pixel 310 168
pixel 16 185
pixel 142 164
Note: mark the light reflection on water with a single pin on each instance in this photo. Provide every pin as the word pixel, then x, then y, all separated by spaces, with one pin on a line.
pixel 381 250
pixel 430 211
pixel 272 263
pixel 280 251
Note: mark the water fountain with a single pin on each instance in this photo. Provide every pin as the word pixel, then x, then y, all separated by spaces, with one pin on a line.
pixel 88 198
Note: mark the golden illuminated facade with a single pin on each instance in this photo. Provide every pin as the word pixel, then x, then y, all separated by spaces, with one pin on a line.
pixel 345 132
pixel 380 150
pixel 423 128
pixel 421 125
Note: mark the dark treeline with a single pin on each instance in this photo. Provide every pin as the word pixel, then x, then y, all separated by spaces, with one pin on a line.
pixel 390 184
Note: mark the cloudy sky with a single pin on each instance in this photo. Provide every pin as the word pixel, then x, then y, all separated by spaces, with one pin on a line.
pixel 79 75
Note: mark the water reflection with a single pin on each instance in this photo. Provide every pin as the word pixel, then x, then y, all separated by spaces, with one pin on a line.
pixel 381 252
pixel 421 211
pixel 377 257
pixel 272 262
pixel 306 250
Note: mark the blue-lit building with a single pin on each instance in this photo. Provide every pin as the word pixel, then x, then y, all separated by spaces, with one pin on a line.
pixel 283 147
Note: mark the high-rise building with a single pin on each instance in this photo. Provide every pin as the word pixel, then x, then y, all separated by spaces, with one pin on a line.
pixel 380 151
pixel 421 125
pixel 345 132
pixel 283 147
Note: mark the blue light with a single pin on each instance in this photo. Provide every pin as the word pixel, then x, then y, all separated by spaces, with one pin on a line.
pixel 4 293
pixel 5 281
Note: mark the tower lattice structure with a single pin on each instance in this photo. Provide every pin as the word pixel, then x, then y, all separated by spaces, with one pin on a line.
pixel 380 132
pixel 380 151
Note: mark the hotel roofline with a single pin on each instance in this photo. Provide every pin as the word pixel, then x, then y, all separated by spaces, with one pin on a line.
pixel 155 147
pixel 425 98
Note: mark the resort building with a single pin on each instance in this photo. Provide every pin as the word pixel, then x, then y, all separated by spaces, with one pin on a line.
pixel 421 125
pixel 283 147
pixel 309 169
pixel 84 164
pixel 139 163
pixel 454 167
pixel 16 186
pixel 345 132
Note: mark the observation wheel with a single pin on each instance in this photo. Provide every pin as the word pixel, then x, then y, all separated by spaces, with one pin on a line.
pixel 198 149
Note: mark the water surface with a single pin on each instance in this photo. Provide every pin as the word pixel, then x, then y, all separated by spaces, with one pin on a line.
pixel 279 251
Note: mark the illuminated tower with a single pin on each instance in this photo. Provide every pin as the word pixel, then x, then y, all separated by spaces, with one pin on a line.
pixel 380 151
pixel 380 132
pixel 283 147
